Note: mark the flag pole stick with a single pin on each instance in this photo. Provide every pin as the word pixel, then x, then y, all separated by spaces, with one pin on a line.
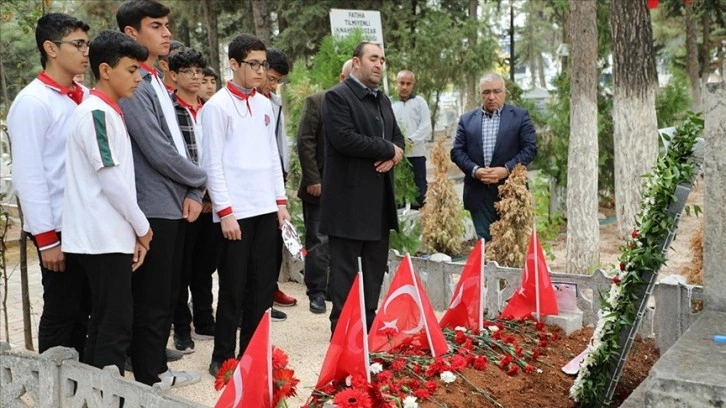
pixel 361 296
pixel 536 266
pixel 420 306
pixel 269 352
pixel 482 285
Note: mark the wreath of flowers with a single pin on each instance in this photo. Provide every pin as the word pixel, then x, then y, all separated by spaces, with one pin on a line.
pixel 408 374
pixel 284 383
pixel 642 253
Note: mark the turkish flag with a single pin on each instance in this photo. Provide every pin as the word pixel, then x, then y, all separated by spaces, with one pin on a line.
pixel 348 350
pixel 652 4
pixel 465 309
pixel 524 299
pixel 406 312
pixel 251 382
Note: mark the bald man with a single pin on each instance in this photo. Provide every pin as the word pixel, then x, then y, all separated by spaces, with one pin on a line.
pixel 414 119
pixel 311 150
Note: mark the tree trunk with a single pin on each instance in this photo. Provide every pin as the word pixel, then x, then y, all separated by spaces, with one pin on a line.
pixel 512 58
pixel 542 79
pixel 472 87
pixel 583 230
pixel 261 16
pixel 635 82
pixel 4 84
pixel 210 16
pixel 692 58
pixel 704 55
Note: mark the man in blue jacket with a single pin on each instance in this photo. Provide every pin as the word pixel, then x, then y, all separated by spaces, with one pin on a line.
pixel 489 142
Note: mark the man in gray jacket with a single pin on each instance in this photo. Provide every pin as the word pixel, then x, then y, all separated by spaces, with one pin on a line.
pixel 168 188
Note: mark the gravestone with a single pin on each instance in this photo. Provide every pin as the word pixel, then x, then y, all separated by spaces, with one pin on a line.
pixel 691 373
pixel 714 221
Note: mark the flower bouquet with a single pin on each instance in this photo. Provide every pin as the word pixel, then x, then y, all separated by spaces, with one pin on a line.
pixel 284 383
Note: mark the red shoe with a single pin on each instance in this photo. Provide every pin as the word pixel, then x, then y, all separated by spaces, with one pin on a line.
pixel 283 300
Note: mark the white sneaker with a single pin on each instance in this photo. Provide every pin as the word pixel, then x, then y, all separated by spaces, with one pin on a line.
pixel 179 378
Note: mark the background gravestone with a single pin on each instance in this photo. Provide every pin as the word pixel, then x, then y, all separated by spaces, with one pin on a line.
pixel 714 222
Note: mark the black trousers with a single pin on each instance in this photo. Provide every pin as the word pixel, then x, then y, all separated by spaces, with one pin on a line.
pixel 201 253
pixel 419 177
pixel 154 285
pixel 66 307
pixel 247 278
pixel 344 255
pixel 317 260
pixel 109 329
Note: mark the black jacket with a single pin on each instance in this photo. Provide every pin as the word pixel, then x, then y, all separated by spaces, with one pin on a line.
pixel 360 129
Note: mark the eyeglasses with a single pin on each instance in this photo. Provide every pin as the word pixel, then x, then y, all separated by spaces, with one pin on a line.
pixel 256 65
pixel 276 81
pixel 82 45
pixel 492 91
pixel 191 73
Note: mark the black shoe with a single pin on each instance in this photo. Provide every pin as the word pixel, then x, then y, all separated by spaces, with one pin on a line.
pixel 278 316
pixel 203 333
pixel 214 367
pixel 184 343
pixel 173 355
pixel 317 304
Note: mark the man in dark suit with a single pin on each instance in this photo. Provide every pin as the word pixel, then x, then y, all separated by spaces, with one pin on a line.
pixel 358 210
pixel 311 151
pixel 489 142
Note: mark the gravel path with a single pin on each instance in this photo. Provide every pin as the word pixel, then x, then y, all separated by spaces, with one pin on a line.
pixel 304 336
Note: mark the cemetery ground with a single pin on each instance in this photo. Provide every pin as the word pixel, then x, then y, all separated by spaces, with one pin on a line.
pixel 305 336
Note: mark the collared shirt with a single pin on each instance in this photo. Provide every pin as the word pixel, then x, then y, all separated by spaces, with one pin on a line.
pixel 489 130
pixel 186 116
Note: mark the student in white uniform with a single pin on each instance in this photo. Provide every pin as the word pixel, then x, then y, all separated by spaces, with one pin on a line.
pixel 105 231
pixel 38 129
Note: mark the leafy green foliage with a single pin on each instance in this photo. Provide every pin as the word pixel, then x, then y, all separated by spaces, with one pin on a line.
pixel 673 100
pixel 408 239
pixel 643 254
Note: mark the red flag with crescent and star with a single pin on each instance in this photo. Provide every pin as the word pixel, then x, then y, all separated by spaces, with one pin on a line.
pixel 406 312
pixel 348 350
pixel 524 300
pixel 251 382
pixel 465 308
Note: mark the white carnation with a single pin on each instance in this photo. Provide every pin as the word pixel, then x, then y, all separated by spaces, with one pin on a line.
pixel 493 328
pixel 460 328
pixel 376 368
pixel 448 377
pixel 410 402
pixel 348 380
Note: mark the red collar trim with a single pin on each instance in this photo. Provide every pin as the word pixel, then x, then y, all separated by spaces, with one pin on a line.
pixel 149 69
pixel 76 94
pixel 169 88
pixel 239 94
pixel 110 102
pixel 191 108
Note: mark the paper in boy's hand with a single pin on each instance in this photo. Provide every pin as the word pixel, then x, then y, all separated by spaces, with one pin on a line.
pixel 292 241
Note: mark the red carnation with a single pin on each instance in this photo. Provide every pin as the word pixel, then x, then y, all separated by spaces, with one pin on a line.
pixel 480 363
pixel 431 386
pixel 634 234
pixel 279 358
pixel 352 398
pixel 622 266
pixel 513 370
pixel 616 280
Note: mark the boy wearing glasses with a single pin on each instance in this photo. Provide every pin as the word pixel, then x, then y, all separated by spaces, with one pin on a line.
pixel 168 190
pixel 276 73
pixel 186 68
pixel 104 230
pixel 38 125
pixel 239 152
